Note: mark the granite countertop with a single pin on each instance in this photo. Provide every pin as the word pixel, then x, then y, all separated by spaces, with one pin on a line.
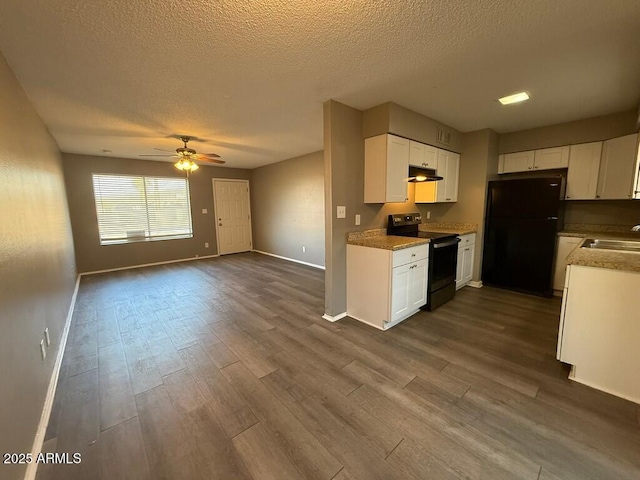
pixel 448 227
pixel 388 242
pixel 590 257
pixel 378 238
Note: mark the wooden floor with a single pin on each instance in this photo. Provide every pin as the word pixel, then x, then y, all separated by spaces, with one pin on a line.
pixel 223 369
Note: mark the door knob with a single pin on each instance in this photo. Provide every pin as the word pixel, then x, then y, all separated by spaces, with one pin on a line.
pixel 220 224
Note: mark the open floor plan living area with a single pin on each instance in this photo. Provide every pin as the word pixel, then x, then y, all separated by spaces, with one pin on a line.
pixel 224 368
pixel 309 240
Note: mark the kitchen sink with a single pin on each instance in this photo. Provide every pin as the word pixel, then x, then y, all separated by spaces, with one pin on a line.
pixel 619 245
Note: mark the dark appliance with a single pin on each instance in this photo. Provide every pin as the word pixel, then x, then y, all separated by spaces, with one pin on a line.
pixel 522 221
pixel 443 257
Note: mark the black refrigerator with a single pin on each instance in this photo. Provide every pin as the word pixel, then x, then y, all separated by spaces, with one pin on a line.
pixel 521 225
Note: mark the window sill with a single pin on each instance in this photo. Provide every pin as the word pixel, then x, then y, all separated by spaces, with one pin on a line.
pixel 142 240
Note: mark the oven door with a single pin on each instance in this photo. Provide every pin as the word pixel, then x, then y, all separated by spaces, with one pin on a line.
pixel 442 263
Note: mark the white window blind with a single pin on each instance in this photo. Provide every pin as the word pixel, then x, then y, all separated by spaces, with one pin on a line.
pixel 136 208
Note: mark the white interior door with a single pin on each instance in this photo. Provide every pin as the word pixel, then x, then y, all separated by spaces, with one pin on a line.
pixel 233 217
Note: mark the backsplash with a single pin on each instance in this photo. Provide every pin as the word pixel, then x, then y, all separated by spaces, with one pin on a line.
pixel 603 212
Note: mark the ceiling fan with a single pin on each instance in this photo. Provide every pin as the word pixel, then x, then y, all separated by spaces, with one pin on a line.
pixel 187 156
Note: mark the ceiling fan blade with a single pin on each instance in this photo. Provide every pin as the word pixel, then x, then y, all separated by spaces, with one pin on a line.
pixel 158 155
pixel 213 155
pixel 162 150
pixel 211 160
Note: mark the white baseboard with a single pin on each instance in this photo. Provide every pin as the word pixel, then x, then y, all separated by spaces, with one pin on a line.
pixel 334 318
pixel 290 259
pixel 32 468
pixel 572 376
pixel 475 284
pixel 148 264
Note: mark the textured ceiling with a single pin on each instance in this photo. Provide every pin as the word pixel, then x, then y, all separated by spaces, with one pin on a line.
pixel 250 77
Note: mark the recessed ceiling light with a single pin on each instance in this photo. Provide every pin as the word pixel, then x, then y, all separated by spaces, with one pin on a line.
pixel 515 98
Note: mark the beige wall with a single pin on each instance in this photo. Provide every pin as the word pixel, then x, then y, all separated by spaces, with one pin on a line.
pixel 580 131
pixel 393 118
pixel 344 185
pixel 287 207
pixel 36 265
pixel 478 165
pixel 91 256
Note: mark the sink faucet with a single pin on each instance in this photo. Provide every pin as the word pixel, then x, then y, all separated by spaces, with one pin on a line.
pixel 636 228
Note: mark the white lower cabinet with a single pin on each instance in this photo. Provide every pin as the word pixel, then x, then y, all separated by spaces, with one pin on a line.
pixel 566 245
pixel 599 330
pixel 385 287
pixel 466 255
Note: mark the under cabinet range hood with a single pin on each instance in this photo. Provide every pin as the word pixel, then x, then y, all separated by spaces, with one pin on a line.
pixel 417 174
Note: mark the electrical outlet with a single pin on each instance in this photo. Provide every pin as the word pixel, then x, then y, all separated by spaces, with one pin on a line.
pixel 341 212
pixel 206 244
pixel 43 349
pixel 204 210
pixel 47 337
pixel 358 219
pixel 304 249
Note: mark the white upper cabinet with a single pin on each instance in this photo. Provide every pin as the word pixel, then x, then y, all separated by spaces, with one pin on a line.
pixel 421 155
pixel 445 190
pixel 386 170
pixel 545 159
pixel 516 162
pixel 549 158
pixel 618 168
pixel 584 165
pixel 386 167
pixel 453 175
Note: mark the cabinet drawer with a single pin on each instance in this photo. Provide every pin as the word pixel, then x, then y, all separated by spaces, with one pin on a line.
pixel 408 255
pixel 466 240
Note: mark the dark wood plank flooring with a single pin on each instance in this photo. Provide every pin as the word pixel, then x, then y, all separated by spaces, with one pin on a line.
pixel 223 369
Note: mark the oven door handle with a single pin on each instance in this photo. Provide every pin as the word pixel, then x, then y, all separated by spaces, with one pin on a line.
pixel 446 244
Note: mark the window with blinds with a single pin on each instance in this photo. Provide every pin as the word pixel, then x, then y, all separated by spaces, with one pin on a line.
pixel 137 208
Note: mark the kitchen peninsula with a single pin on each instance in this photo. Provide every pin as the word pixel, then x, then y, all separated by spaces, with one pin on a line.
pixel 599 331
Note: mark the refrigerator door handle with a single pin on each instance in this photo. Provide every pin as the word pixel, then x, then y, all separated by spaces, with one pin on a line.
pixel 552 218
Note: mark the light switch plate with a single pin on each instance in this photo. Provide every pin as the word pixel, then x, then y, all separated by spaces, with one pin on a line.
pixel 358 219
pixel 342 212
pixel 204 210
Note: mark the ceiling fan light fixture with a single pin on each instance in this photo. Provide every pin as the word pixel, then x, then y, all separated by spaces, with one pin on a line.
pixel 186 164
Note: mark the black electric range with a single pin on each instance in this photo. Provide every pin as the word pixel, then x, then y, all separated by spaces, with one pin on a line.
pixel 443 256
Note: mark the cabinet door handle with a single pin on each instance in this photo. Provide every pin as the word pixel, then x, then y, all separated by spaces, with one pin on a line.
pixel 413 254
pixel 530 168
pixel 597 196
pixel 467 249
